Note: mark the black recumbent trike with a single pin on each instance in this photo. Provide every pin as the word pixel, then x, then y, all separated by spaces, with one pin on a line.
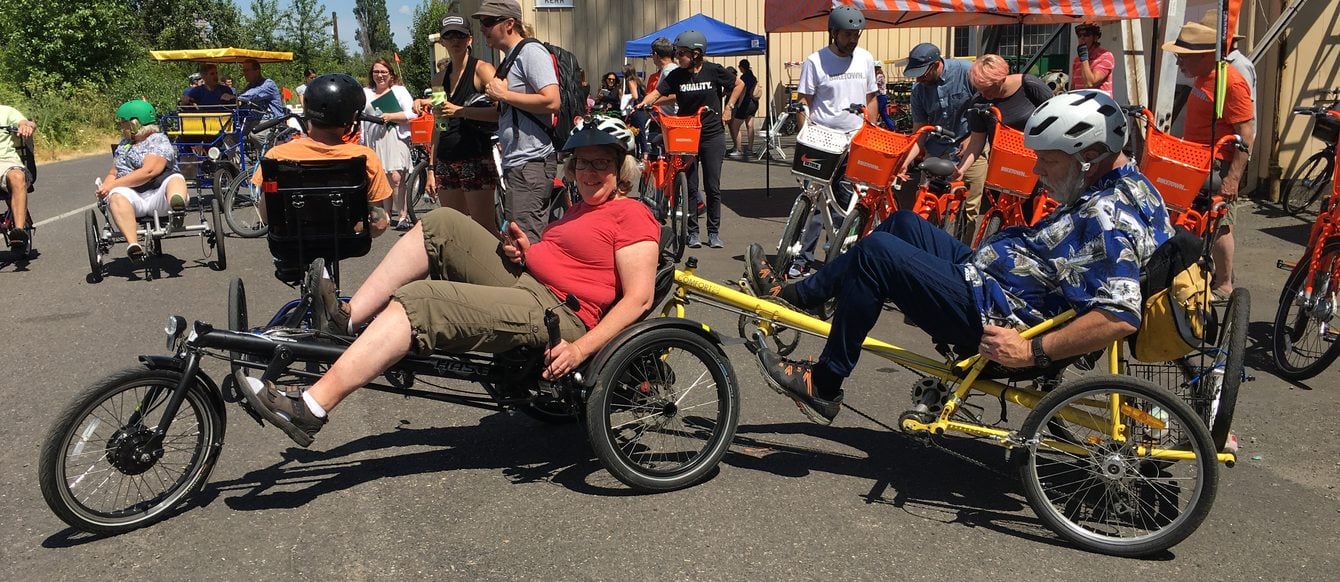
pixel 660 403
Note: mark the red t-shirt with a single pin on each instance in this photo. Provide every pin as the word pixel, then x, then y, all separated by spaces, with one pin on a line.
pixel 576 254
pixel 1238 108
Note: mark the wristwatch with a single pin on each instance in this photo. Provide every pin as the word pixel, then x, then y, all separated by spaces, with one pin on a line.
pixel 1040 358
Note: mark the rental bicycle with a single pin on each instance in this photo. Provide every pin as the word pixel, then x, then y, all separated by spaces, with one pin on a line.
pixel 1010 183
pixel 1304 339
pixel 1305 186
pixel 672 147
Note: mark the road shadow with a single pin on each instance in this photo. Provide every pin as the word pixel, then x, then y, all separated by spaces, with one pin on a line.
pixel 526 451
pixel 1291 233
pixel 766 203
pixel 19 261
pixel 154 267
pixel 904 473
pixel 1261 352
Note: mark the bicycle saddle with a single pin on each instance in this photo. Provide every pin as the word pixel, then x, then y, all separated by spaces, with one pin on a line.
pixel 938 167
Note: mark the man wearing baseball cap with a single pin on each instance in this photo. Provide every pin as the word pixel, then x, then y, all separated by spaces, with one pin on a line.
pixel 526 91
pixel 1194 50
pixel 938 98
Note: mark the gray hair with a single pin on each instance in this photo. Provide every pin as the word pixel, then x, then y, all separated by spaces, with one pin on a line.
pixel 630 171
pixel 661 47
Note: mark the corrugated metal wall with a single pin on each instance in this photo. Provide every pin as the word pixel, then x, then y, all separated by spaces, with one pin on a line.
pixel 595 31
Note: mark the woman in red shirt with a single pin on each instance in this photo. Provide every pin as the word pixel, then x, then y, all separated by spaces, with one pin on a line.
pixel 450 285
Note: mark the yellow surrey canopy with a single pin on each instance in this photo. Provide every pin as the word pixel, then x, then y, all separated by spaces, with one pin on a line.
pixel 221 55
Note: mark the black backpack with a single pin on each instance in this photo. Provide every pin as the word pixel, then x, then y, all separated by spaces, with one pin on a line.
pixel 572 99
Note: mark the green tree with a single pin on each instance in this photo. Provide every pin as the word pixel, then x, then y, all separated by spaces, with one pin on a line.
pixel 172 24
pixel 259 31
pixel 49 44
pixel 306 29
pixel 374 27
pixel 418 66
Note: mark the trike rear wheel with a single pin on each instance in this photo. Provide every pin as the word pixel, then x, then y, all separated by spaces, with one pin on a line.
pixel 1099 484
pixel 1306 185
pixel 101 469
pixel 664 410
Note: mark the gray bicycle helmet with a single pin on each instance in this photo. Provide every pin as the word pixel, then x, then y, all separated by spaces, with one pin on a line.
pixel 846 17
pixel 333 100
pixel 1075 121
pixel 691 39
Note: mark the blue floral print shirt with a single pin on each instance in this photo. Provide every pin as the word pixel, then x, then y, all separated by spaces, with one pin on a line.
pixel 1085 255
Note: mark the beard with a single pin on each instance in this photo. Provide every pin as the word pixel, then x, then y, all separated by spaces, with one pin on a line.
pixel 1064 189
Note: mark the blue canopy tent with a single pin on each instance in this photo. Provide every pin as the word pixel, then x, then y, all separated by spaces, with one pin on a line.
pixel 722 39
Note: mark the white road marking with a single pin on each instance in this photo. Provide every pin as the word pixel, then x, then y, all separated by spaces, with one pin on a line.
pixel 66 215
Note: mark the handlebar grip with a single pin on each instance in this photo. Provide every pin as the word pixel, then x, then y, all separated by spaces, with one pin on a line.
pixel 551 326
pixel 1304 110
pixel 370 118
pixel 269 123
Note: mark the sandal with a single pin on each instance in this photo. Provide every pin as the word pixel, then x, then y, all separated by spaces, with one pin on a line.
pixel 1219 297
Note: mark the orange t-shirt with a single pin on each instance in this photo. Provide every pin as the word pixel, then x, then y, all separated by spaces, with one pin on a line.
pixel 307 149
pixel 1238 108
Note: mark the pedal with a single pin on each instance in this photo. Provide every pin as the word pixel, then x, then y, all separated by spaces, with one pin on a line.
pixel 1285 265
pixel 178 218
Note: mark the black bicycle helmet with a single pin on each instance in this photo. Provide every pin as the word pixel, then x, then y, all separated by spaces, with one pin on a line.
pixel 596 134
pixel 691 39
pixel 846 17
pixel 333 100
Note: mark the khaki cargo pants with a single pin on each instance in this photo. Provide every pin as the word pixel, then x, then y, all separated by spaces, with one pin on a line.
pixel 476 300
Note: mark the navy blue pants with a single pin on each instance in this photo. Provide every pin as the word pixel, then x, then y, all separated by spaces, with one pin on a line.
pixel 908 261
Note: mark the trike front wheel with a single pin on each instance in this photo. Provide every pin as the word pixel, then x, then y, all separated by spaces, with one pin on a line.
pixel 1127 484
pixel 664 410
pixel 244 208
pixel 103 471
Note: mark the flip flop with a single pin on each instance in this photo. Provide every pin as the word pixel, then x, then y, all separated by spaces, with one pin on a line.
pixel 1219 297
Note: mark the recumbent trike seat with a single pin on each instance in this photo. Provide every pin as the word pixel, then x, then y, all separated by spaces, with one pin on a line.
pixel 316 209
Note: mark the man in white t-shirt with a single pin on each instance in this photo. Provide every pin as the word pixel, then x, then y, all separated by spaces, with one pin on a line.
pixel 832 79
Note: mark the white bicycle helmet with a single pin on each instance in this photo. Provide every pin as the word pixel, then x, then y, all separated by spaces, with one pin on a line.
pixel 617 128
pixel 1075 121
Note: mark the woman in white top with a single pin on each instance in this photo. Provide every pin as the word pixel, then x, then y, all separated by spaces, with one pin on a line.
pixel 390 100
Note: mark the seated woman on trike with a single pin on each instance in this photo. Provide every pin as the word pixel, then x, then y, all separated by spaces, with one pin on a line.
pixel 144 178
pixel 450 285
pixel 1086 256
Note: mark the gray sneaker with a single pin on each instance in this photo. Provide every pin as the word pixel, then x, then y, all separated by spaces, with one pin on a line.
pixel 286 410
pixel 714 241
pixel 694 242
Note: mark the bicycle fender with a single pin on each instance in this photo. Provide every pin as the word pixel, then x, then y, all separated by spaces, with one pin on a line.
pixel 598 361
pixel 215 394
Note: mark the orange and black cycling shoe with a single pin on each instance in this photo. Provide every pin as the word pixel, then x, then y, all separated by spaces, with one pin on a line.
pixel 795 380
pixel 758 270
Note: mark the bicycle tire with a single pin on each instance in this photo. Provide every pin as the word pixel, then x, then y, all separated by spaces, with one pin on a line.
pixel 1134 492
pixel 852 229
pixel 788 247
pixel 1306 184
pixel 215 238
pixel 1217 391
pixel 237 316
pixel 242 210
pixel 222 177
pixel 1293 324
pixel 951 220
pixel 91 239
pixel 420 202
pixel 639 407
pixel 89 416
pixel 679 215
pixel 990 227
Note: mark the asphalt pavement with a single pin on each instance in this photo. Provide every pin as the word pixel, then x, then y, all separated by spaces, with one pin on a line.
pixel 397 488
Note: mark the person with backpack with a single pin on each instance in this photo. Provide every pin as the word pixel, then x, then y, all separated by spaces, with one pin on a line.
pixel 527 92
pixel 696 84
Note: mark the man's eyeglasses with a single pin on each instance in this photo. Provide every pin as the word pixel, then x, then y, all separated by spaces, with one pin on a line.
pixel 492 20
pixel 598 165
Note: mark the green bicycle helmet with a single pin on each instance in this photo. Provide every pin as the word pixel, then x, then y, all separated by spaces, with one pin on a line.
pixel 139 110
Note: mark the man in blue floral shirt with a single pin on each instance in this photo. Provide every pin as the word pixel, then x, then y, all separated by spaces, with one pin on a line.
pixel 1085 256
